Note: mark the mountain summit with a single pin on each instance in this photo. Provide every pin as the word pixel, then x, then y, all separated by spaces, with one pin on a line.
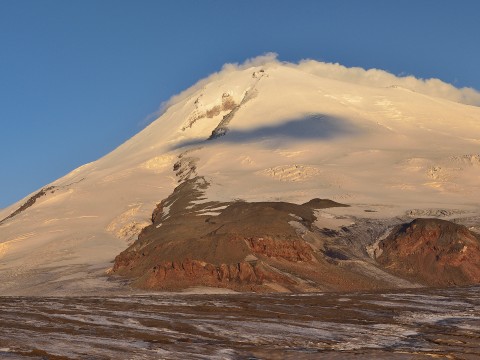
pixel 225 190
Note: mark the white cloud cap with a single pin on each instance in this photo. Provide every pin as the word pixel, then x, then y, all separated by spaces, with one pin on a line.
pixel 381 78
pixel 356 75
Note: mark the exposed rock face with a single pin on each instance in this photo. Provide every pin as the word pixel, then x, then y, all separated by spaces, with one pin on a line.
pixel 28 203
pixel 238 245
pixel 240 276
pixel 435 252
pixel 291 250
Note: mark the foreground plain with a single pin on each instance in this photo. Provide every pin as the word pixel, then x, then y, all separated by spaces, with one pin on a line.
pixel 402 324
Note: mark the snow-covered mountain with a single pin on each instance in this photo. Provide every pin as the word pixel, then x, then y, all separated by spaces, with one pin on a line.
pixel 258 133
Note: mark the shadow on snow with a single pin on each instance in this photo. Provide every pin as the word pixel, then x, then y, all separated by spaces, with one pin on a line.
pixel 312 127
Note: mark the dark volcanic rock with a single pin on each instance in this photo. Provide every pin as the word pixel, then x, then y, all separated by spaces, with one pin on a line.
pixel 243 246
pixel 28 203
pixel 432 251
pixel 323 203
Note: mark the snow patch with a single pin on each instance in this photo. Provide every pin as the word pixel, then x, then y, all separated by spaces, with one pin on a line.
pixel 159 163
pixel 128 224
pixel 292 173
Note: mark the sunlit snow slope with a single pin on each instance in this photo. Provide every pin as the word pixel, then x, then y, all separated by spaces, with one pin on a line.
pixel 260 133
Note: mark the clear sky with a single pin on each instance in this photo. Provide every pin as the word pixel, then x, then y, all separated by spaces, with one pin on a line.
pixel 79 77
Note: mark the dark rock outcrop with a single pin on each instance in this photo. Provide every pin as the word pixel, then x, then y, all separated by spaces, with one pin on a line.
pixel 238 245
pixel 28 203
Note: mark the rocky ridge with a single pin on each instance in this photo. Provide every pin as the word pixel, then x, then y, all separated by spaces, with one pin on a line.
pixel 238 245
pixel 432 251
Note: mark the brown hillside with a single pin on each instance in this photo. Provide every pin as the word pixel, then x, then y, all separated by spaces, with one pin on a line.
pixel 432 251
pixel 238 245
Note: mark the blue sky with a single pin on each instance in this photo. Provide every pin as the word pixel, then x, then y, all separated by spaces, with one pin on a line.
pixel 79 77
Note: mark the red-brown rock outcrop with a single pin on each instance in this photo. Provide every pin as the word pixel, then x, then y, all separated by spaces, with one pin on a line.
pixel 246 276
pixel 291 250
pixel 432 251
